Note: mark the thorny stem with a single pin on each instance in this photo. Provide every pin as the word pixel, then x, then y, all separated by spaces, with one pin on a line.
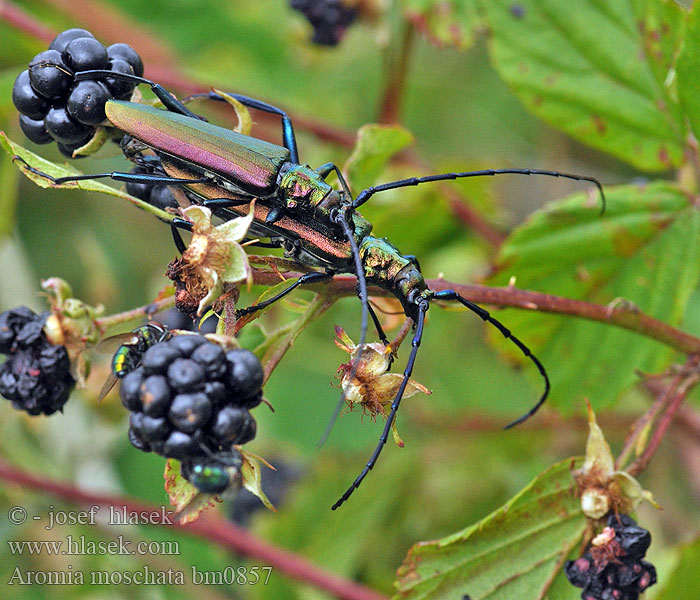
pixel 397 71
pixel 215 530
pixel 622 314
pixel 644 422
pixel 403 332
pixel 106 323
pixel 674 404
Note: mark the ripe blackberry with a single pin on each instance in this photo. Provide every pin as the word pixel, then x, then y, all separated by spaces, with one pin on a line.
pixel 34 130
pixel 48 74
pixel 190 400
pixel 614 570
pixel 63 128
pixel 85 54
pixel 159 196
pixel 68 150
pixel 329 18
pixel 65 37
pixel 162 197
pixel 86 102
pixel 128 54
pixel 120 88
pixel 26 100
pixel 36 376
pixel 52 103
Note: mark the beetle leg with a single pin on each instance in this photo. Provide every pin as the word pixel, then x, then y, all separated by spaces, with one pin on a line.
pixel 415 343
pixel 117 176
pixel 288 137
pixel 177 238
pixel 312 277
pixel 325 170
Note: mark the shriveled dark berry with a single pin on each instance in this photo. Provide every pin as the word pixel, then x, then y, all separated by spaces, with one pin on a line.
pixel 158 358
pixel 34 130
pixel 245 373
pixel 86 102
pixel 11 323
pixel 142 191
pixel 233 425
pixel 26 100
pixel 185 375
pixel 185 344
pixel 162 197
pixel 130 390
pixel 52 360
pixel 155 396
pixel 36 375
pixel 189 412
pixel 63 128
pixel 153 429
pixel 85 54
pixel 179 445
pixel 48 74
pixel 329 18
pixel 120 88
pixel 648 576
pixel 635 541
pixel 128 54
pixel 62 39
pixel 593 590
pixel 31 331
pixel 213 358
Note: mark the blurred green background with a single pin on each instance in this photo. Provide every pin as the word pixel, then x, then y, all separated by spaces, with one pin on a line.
pixel 457 460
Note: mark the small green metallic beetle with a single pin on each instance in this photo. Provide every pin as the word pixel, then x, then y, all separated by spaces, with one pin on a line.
pixel 128 355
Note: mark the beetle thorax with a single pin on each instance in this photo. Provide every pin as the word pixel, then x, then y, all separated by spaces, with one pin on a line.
pixel 302 187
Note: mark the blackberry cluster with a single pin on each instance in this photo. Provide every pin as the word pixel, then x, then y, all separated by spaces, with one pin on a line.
pixel 190 400
pixel 175 319
pixel 616 570
pixel 36 375
pixel 329 18
pixel 53 106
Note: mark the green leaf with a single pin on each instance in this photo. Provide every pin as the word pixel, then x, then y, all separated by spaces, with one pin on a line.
pixel 644 250
pixel 375 145
pixel 515 552
pixel 250 474
pixel 683 583
pixel 8 198
pixel 687 69
pixel 451 24
pixel 590 70
pixel 55 170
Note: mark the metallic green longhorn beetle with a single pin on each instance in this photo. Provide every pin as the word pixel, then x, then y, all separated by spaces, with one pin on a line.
pixel 296 209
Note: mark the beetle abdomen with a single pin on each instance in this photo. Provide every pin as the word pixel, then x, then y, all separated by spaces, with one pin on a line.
pixel 249 163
